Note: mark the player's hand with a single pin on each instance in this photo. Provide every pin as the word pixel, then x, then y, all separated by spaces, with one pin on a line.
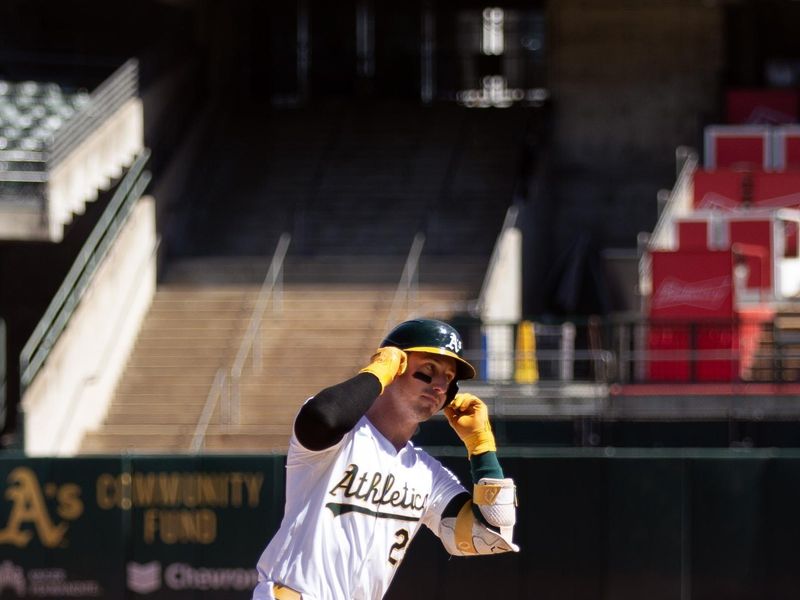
pixel 386 364
pixel 469 417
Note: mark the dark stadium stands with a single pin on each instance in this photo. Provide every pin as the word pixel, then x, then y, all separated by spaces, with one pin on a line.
pixel 352 180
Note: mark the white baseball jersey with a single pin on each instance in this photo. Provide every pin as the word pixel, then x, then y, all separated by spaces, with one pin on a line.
pixel 351 511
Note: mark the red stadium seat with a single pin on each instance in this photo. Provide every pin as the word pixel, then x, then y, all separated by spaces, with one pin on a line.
pixel 719 189
pixel 729 146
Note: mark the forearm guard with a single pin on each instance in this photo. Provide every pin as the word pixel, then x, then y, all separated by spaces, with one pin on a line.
pixel 465 535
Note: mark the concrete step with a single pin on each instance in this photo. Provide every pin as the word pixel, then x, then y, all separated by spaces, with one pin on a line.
pixel 180 419
pixel 263 443
pixel 148 429
pixel 104 443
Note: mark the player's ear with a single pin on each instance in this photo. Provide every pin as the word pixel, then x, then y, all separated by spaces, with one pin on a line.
pixel 452 390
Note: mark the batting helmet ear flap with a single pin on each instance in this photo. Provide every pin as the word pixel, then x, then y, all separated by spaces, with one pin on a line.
pixel 452 390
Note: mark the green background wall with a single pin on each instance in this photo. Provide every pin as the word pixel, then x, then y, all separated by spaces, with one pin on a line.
pixel 593 524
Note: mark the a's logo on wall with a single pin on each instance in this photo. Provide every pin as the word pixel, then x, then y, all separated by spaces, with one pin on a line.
pixel 144 579
pixel 29 510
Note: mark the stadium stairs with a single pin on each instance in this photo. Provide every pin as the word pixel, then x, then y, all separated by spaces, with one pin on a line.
pixel 353 185
pixel 323 334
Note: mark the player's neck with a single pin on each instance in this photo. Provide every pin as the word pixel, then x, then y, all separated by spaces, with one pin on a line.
pixel 394 429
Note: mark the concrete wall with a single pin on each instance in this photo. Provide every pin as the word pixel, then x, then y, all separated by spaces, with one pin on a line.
pixel 92 165
pixel 76 180
pixel 72 391
pixel 631 80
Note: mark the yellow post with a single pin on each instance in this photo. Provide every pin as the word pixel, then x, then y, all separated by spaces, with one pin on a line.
pixel 527 370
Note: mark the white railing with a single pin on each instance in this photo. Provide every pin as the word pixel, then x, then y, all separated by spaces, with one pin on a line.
pixel 672 205
pixel 225 389
pixel 218 391
pixel 676 203
pixel 271 288
pixel 409 282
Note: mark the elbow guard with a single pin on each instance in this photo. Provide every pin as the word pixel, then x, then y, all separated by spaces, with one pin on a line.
pixel 497 501
pixel 465 535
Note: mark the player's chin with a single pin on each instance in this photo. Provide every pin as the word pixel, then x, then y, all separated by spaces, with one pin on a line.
pixel 433 405
pixel 427 407
pixel 434 401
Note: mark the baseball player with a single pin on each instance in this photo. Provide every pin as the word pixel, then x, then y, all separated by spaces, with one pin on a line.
pixel 358 491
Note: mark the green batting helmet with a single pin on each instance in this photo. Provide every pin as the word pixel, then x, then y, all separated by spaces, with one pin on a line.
pixel 433 337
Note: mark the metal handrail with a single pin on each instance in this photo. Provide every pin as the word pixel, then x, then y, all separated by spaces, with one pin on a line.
pixel 118 88
pixel 509 221
pixel 676 202
pixel 271 287
pixel 69 294
pixel 604 363
pixel 216 392
pixel 408 280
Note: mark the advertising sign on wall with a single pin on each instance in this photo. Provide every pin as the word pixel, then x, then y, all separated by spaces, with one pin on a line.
pixel 155 527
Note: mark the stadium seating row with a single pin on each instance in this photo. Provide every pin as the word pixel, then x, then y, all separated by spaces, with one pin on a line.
pixel 767 147
pixel 31 112
pixel 735 262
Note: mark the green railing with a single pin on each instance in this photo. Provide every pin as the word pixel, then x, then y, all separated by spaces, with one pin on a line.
pixel 96 247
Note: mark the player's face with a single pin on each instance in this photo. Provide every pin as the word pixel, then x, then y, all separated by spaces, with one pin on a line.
pixel 427 378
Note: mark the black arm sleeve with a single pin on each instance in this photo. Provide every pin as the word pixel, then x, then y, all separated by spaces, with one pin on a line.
pixel 325 418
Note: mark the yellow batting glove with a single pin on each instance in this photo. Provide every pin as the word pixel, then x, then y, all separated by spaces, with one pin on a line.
pixel 468 415
pixel 386 364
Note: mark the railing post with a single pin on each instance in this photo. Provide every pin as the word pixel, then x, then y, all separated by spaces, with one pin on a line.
pixel 409 274
pixel 251 344
pixel 216 393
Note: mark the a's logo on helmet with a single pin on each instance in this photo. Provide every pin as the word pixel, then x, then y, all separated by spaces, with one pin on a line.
pixel 454 344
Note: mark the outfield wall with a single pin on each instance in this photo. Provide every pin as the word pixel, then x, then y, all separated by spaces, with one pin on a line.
pixel 593 524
